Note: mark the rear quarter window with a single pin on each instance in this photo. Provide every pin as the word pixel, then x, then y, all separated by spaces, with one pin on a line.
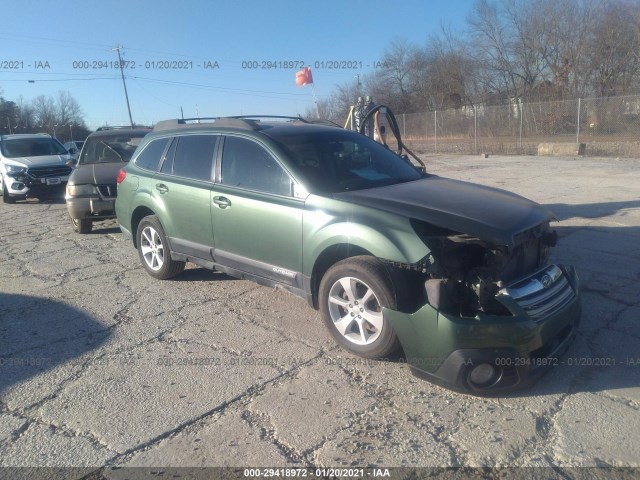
pixel 150 157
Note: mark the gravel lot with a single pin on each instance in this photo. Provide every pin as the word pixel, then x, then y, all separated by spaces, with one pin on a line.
pixel 100 364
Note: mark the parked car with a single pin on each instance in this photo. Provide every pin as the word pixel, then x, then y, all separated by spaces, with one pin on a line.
pixel 74 148
pixel 457 274
pixel 32 165
pixel 91 190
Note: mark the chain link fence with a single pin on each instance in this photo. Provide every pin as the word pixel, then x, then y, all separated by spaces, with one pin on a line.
pixel 607 126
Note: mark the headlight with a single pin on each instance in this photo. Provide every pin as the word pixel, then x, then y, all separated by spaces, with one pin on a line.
pixel 15 170
pixel 77 190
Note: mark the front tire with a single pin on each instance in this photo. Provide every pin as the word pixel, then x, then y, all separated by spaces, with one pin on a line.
pixel 82 225
pixel 351 296
pixel 153 250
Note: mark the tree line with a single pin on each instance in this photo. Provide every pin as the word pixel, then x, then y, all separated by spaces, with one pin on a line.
pixel 59 116
pixel 510 51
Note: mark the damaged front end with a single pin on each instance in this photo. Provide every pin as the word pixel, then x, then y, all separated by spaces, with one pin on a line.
pixel 487 318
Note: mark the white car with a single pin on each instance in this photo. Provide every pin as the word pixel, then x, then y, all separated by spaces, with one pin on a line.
pixel 32 165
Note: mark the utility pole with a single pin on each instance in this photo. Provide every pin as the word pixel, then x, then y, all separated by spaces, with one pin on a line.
pixel 126 95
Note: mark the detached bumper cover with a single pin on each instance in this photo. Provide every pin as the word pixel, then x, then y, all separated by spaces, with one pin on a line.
pixel 445 349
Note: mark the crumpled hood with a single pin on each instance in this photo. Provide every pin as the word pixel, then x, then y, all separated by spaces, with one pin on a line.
pixel 490 214
pixel 96 173
pixel 40 161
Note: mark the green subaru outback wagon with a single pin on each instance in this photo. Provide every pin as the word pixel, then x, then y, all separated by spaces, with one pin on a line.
pixel 456 274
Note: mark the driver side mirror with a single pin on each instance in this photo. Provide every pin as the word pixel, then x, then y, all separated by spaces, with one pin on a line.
pixel 71 162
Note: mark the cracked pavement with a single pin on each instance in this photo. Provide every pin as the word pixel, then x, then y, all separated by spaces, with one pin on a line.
pixel 100 364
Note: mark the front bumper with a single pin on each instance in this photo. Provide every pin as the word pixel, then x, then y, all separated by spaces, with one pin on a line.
pixel 26 186
pixel 90 207
pixel 445 349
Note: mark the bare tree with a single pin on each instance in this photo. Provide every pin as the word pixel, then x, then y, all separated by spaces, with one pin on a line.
pixel 44 109
pixel 326 110
pixel 450 73
pixel 490 42
pixel 68 109
pixel 614 49
pixel 26 120
pixel 514 50
pixel 345 96
pixel 570 24
pixel 8 116
pixel 394 83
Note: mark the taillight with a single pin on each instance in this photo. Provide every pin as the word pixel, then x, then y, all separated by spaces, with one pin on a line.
pixel 121 176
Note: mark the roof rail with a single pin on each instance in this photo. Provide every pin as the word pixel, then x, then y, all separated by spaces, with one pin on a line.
pixel 178 123
pixel 247 122
pixel 298 118
pixel 118 127
pixel 44 134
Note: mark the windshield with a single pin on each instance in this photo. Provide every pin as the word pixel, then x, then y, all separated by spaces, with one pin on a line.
pixel 339 161
pixel 110 149
pixel 31 147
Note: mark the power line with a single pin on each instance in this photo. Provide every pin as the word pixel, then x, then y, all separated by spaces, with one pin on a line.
pixel 59 79
pixel 49 40
pixel 151 94
pixel 213 87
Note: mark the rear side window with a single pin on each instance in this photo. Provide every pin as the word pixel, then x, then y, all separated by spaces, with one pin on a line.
pixel 150 157
pixel 248 165
pixel 194 156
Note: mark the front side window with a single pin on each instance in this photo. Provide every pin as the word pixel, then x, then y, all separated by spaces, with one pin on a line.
pixel 193 157
pixel 248 165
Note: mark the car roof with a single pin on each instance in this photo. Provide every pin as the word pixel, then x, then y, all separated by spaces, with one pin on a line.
pixel 119 132
pixel 272 125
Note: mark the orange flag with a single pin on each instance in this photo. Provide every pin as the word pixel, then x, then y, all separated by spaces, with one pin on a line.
pixel 304 77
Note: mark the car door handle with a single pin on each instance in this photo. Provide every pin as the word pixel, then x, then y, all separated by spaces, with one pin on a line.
pixel 162 188
pixel 222 202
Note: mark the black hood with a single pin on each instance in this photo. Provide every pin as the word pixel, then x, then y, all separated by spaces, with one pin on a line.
pixel 490 214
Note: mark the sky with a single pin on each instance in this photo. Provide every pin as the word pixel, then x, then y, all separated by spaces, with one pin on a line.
pixel 203 58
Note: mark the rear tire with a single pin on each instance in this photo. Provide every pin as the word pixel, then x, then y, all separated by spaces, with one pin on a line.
pixel 351 296
pixel 82 225
pixel 153 250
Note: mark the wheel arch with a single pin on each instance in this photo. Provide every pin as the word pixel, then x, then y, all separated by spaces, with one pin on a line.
pixel 138 214
pixel 329 257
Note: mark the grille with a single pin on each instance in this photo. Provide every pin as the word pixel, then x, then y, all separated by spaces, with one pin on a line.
pixel 108 191
pixel 542 294
pixel 54 171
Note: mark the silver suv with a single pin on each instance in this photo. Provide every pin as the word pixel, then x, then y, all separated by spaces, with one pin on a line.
pixel 32 165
